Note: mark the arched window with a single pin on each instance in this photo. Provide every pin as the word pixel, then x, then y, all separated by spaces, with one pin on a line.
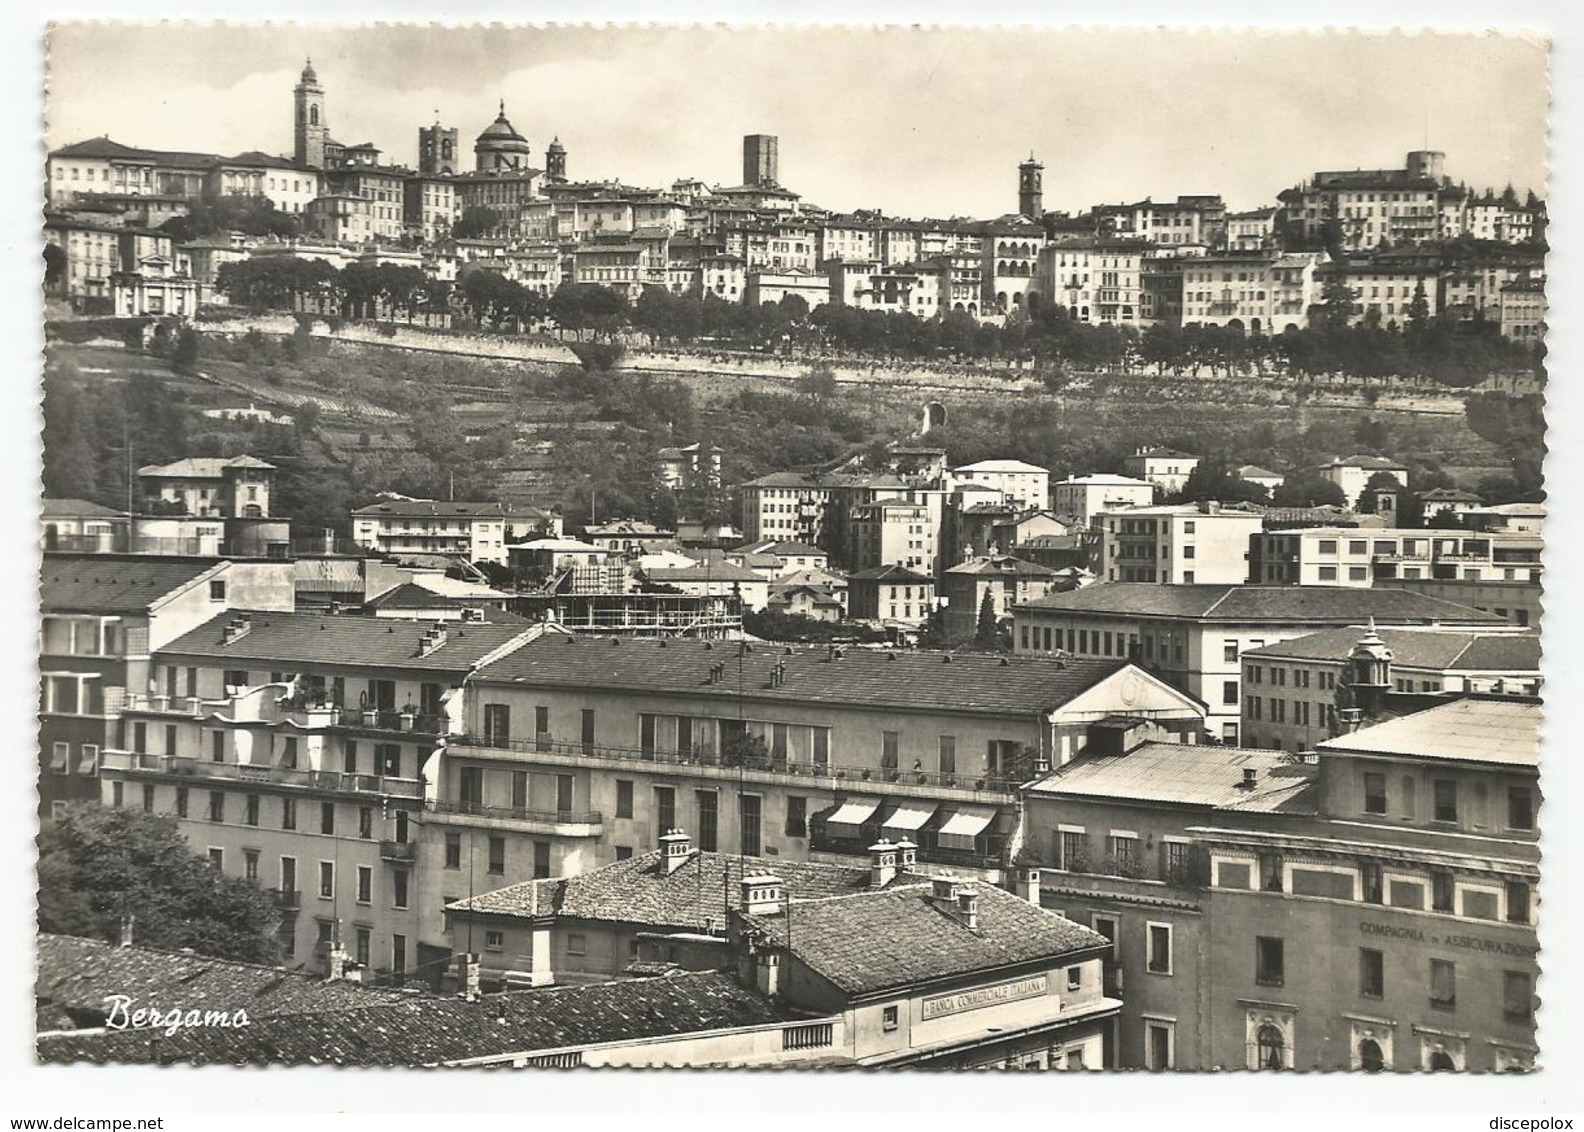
pixel 1271 1045
pixel 313 115
pixel 1441 1062
pixel 1371 1059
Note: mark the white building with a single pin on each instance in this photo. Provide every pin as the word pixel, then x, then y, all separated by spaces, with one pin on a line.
pixel 1183 545
pixel 478 532
pixel 1026 485
pixel 1080 498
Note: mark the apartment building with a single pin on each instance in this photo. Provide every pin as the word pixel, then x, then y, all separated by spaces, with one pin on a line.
pixel 1004 579
pixel 892 594
pixel 1023 484
pixel 814 508
pixel 895 532
pixel 1186 544
pixel 1259 292
pixel 1340 556
pixel 301 750
pixel 478 532
pixel 1291 699
pixel 791 752
pixel 1080 498
pixel 1193 637
pixel 1352 473
pixel 1166 468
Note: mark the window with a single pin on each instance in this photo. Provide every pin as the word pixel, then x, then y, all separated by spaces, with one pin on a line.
pixel 1374 792
pixel 947 746
pixel 181 801
pixel 250 860
pixel 288 813
pixel 624 798
pixel 148 799
pixel 216 746
pixel 217 589
pixel 1074 850
pixel 750 804
pixel 665 808
pixel 216 804
pixel 1517 902
pixel 327 880
pixel 1372 973
pixel 217 858
pixel 398 955
pixel 888 1019
pixel 497 856
pixel 708 820
pixel 1520 808
pixel 1074 978
pixel 497 725
pixel 251 814
pixel 1124 855
pixel 541 852
pixel 398 888
pixel 1229 651
pixel 1269 961
pixel 1446 800
pixel 796 816
pixel 453 850
pixel 1517 996
pixel 327 818
pixel 1270 866
pixel 588 731
pixel 1442 891
pixel 888 750
pixel 364 939
pixel 494 941
pixel 1443 984
pixel 576 943
pixel 1158 1052
pixel 365 884
pixel 366 822
pixel 1160 949
pixel 1370 874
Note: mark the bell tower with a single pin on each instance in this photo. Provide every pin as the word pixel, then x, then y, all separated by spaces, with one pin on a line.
pixel 311 129
pixel 1030 191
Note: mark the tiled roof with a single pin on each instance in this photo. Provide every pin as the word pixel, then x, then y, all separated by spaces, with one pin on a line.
pixel 415 507
pixel 1313 604
pixel 203 467
pixel 713 571
pixel 1505 731
pixel 1377 462
pixel 1254 471
pixel 105 148
pixel 105 584
pixel 794 549
pixel 828 480
pixel 1001 566
pixel 1188 775
pixel 1448 494
pixel 993 466
pixel 911 679
pixel 75 975
pixel 435 1030
pixel 1162 454
pixel 1434 649
pixel 77 509
pixel 813 576
pixel 891 574
pixel 639 891
pixel 368 642
pixel 411 596
pixel 900 937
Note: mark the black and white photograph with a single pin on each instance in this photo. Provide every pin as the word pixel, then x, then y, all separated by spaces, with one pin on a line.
pixel 569 546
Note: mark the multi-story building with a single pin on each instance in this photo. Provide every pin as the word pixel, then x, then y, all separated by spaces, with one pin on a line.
pixel 1250 231
pixel 1339 556
pixel 1370 206
pixel 103 616
pixel 381 187
pixel 1010 263
pixel 1291 687
pixel 154 286
pixel 100 166
pixel 1352 474
pixel 1261 292
pixel 773 286
pixel 891 594
pixel 1183 544
pixel 1388 292
pixel 1079 499
pixel 79 526
pixel 283 182
pixel 429 205
pixel 1193 636
pixel 811 508
pixel 1522 311
pixel 1189 220
pixel 1375 911
pixel 478 532
pixel 209 487
pixel 1518 602
pixel 790 752
pixel 96 252
pixel 1166 468
pixel 1006 581
pixel 1026 485
pixel 894 532
pixel 303 751
pixel 1095 281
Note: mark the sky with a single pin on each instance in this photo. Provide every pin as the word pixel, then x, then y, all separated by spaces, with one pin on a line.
pixel 914 122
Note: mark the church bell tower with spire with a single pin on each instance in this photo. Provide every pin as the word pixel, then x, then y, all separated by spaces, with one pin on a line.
pixel 311 128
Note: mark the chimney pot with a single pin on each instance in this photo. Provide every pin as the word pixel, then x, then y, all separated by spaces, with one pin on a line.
pixel 882 863
pixel 1250 776
pixel 968 906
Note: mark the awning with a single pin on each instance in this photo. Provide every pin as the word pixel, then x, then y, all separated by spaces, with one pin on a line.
pixel 847 820
pixel 907 819
pixel 963 827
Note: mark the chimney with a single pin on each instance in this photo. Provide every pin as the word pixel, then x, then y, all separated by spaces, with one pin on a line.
pixel 1209 507
pixel 945 889
pixel 236 628
pixel 1250 777
pixel 968 906
pixel 128 922
pixel 431 640
pixel 882 863
pixel 468 975
pixel 675 847
pixel 761 895
pixel 338 964
pixel 767 973
pixel 1027 885
pixel 907 856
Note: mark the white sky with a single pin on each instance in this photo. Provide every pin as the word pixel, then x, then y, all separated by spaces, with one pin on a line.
pixel 914 122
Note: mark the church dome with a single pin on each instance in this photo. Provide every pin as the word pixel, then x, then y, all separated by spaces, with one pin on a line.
pixel 556 146
pixel 308 74
pixel 501 130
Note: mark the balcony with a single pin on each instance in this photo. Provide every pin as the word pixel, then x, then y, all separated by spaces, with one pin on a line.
pixel 404 852
pixel 569 823
pixel 287 899
pixel 716 765
pixel 131 762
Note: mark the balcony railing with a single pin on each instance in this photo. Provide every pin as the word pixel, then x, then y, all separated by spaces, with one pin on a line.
pixel 287 899
pixel 514 813
pixel 263 774
pixel 773 764
pixel 398 850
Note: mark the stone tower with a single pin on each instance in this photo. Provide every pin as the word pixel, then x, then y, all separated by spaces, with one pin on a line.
pixel 311 129
pixel 761 159
pixel 1031 193
pixel 555 162
pixel 437 149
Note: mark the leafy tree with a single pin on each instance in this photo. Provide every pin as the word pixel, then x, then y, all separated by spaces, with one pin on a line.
pixel 988 633
pixel 818 384
pixel 1379 481
pixel 98 864
pixel 476 222
pixel 184 356
pixel 249 215
pixel 54 265
pixel 1213 480
pixel 1308 488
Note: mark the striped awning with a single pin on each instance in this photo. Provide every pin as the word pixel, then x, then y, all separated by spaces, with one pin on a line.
pixel 906 820
pixel 963 827
pixel 848 820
